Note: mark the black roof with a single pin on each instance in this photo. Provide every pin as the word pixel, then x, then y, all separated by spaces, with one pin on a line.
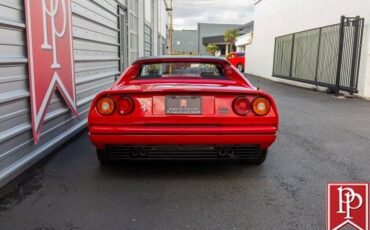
pixel 213 39
pixel 246 28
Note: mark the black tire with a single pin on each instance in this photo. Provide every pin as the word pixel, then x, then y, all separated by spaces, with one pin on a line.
pixel 258 161
pixel 240 67
pixel 102 157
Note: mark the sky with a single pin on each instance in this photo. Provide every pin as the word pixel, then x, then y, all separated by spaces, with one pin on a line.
pixel 187 13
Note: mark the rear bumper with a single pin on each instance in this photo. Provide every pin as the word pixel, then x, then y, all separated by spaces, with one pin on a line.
pixel 262 136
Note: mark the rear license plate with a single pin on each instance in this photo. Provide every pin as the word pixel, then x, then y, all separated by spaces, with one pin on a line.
pixel 188 105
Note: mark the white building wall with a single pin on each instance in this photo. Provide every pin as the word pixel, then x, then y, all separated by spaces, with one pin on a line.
pixel 148 10
pixel 154 13
pixel 155 27
pixel 162 26
pixel 163 18
pixel 242 41
pixel 141 21
pixel 278 17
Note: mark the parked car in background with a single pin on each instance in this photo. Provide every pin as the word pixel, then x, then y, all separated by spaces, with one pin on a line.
pixel 237 59
pixel 183 107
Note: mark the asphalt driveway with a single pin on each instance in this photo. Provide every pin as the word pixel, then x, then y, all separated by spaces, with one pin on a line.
pixel 321 139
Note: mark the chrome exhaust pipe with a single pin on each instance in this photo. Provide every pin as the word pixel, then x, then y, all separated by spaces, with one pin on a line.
pixel 222 152
pixel 226 152
pixel 139 152
pixel 143 152
pixel 230 153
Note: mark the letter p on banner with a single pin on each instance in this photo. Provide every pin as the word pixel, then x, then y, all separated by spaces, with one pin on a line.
pixel 347 206
pixel 50 56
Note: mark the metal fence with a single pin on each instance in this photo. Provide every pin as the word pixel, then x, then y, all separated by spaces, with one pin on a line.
pixel 327 56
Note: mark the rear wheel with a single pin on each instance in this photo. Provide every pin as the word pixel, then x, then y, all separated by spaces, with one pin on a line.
pixel 102 157
pixel 258 161
pixel 240 67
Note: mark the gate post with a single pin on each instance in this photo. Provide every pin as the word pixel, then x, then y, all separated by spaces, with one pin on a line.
pixel 356 24
pixel 318 56
pixel 340 54
pixel 291 56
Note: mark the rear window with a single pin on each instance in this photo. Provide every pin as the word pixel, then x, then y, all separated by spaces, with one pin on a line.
pixel 240 54
pixel 181 70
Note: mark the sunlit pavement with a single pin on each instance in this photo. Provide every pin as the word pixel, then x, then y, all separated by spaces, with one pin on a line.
pixel 321 139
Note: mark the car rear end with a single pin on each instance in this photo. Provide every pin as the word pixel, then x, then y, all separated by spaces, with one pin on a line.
pixel 183 119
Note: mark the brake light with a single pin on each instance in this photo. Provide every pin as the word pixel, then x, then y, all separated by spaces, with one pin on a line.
pixel 261 106
pixel 241 105
pixel 125 105
pixel 105 106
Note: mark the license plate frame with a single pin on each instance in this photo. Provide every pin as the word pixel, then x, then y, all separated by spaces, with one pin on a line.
pixel 183 105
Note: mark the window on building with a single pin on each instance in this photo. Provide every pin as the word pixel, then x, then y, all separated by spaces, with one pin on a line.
pixel 123 49
pixel 148 40
pixel 133 30
pixel 162 45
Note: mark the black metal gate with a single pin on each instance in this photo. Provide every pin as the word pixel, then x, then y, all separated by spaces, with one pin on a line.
pixel 327 56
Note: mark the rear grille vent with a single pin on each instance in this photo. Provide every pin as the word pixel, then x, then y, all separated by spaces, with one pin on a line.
pixel 183 152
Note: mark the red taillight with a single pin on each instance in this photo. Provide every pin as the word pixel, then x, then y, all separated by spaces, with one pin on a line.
pixel 241 105
pixel 105 106
pixel 261 106
pixel 125 105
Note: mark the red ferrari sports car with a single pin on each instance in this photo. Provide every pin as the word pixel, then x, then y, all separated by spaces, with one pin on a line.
pixel 183 108
pixel 237 59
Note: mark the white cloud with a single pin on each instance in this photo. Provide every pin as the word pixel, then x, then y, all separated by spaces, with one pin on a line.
pixel 187 13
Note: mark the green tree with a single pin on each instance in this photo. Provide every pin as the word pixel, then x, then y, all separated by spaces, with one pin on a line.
pixel 212 48
pixel 230 37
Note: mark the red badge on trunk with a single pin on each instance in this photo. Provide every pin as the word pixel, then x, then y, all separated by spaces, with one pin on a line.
pixel 348 206
pixel 50 56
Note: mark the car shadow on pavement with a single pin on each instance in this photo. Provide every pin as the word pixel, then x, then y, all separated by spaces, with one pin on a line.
pixel 174 169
